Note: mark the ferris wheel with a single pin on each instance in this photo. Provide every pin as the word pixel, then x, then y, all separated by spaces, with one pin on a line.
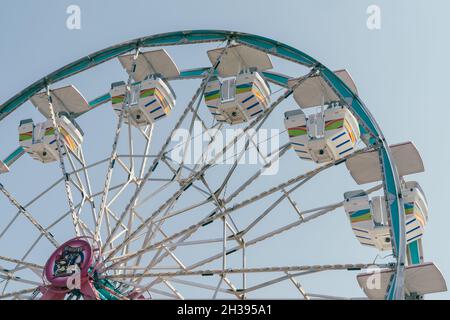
pixel 150 200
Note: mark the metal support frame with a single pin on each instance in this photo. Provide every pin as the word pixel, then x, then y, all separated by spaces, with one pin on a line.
pixel 391 184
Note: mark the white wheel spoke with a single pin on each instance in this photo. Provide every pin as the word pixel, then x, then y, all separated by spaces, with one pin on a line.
pixel 29 216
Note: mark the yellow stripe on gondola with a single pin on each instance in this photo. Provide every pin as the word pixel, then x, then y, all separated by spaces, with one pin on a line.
pixel 350 131
pixel 68 139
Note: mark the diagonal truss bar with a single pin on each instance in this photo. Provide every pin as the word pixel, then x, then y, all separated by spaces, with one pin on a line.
pixel 60 144
pixel 29 216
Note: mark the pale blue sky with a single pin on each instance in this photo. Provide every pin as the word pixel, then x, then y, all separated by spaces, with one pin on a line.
pixel 400 71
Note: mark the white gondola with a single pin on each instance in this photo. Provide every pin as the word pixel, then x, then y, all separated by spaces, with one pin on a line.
pixel 329 134
pixel 369 221
pixel 239 92
pixel 39 140
pixel 322 137
pixel 420 279
pixel 151 97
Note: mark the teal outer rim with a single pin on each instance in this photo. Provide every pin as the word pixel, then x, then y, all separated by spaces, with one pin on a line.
pixel 390 175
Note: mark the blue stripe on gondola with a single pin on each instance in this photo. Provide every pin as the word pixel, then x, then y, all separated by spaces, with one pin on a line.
pixel 212 107
pixel 363 237
pixel 215 114
pixel 253 105
pixel 211 93
pixel 298 144
pixel 360 230
pixel 244 85
pixel 151 102
pixel 301 151
pixel 156 109
pixel 338 136
pixel 341 144
pixel 340 153
pixel 411 221
pixel 413 229
pixel 52 142
pixel 163 115
pixel 359 213
pixel 419 235
pixel 256 113
pixel 245 100
pixel 366 243
pixel 304 158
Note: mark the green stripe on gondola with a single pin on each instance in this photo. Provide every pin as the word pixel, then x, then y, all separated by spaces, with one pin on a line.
pixel 24 137
pixel 296 132
pixel 50 131
pixel 409 208
pixel 244 88
pixel 334 125
pixel 360 215
pixel 147 93
pixel 115 100
pixel 212 95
